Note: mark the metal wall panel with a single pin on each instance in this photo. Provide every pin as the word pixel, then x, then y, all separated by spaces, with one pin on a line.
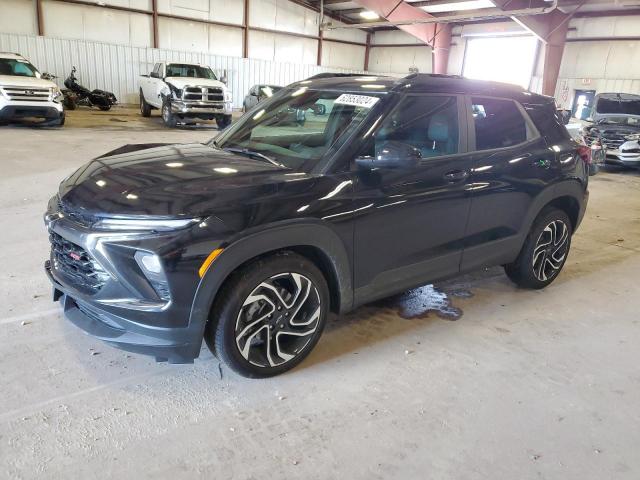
pixel 117 68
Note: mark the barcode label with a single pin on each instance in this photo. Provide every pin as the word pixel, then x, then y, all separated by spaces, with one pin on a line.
pixel 356 100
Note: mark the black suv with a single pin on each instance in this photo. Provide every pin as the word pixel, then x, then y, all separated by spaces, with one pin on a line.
pixel 249 240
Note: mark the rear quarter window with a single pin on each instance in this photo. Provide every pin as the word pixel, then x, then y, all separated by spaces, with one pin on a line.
pixel 499 123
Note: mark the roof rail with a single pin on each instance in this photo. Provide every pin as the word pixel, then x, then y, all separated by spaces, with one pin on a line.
pixel 333 75
pixel 11 53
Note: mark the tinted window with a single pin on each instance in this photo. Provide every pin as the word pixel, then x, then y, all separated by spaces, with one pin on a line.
pixel 498 123
pixel 188 70
pixel 429 124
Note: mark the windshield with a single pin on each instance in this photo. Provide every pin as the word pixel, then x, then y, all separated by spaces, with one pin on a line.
pixel 18 68
pixel 296 128
pixel 191 71
pixel 627 105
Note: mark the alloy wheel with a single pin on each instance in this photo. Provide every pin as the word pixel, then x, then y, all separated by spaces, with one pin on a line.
pixel 550 250
pixel 165 112
pixel 278 319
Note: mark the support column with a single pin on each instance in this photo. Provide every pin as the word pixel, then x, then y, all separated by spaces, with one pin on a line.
pixel 245 32
pixel 367 51
pixel 553 51
pixel 154 19
pixel 320 37
pixel 39 18
pixel 441 46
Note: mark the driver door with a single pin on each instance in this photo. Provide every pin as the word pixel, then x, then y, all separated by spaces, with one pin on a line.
pixel 411 220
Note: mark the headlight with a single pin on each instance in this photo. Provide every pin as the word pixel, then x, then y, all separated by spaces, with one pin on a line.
pixel 56 94
pixel 144 225
pixel 228 97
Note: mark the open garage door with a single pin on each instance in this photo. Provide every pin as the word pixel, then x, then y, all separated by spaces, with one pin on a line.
pixel 502 59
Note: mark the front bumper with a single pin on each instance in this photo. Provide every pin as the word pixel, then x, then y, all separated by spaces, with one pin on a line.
pixel 628 155
pixel 169 344
pixel 124 310
pixel 16 110
pixel 197 109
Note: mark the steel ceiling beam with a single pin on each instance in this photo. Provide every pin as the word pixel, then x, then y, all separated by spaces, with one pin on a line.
pixel 438 36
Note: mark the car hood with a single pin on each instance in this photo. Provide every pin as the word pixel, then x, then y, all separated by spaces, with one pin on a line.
pixel 181 82
pixel 170 180
pixel 18 81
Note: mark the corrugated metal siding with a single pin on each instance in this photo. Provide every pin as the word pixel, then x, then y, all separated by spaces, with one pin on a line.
pixel 117 68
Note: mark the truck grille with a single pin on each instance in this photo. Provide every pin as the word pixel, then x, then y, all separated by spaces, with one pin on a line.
pixel 203 94
pixel 75 263
pixel 27 94
pixel 612 139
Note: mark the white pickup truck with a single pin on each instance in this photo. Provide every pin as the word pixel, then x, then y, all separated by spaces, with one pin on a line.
pixel 26 93
pixel 185 91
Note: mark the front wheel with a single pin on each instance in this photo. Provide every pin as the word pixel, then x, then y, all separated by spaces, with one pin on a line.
pixel 104 108
pixel 168 117
pixel 544 252
pixel 223 121
pixel 270 315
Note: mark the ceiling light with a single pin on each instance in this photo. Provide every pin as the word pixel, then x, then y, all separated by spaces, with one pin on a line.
pixel 369 15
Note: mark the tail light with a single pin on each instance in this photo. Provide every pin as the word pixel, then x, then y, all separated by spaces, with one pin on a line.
pixel 585 153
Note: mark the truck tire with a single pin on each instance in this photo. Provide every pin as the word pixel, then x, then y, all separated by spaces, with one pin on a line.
pixel 168 117
pixel 145 108
pixel 223 121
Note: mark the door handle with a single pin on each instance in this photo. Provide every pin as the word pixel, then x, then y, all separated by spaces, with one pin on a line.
pixel 456 175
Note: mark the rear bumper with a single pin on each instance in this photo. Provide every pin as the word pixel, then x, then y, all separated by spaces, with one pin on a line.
pixel 175 345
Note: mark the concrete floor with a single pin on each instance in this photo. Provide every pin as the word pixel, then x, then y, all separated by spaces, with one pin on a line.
pixel 524 385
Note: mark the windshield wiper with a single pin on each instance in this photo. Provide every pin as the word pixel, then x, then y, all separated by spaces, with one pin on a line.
pixel 254 154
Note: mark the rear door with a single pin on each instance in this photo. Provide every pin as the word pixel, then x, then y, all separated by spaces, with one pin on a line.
pixel 511 165
pixel 410 221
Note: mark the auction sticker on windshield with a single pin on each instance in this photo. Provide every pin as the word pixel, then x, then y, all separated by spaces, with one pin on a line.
pixel 356 100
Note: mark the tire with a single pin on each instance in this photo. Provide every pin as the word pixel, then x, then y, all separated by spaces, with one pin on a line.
pixel 223 121
pixel 104 108
pixel 266 321
pixel 56 122
pixel 550 240
pixel 145 108
pixel 69 103
pixel 168 117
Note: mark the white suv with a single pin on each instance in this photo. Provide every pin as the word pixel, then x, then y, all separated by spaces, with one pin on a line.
pixel 25 93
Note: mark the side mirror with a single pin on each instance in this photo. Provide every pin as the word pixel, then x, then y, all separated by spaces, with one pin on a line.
pixel 154 75
pixel 48 76
pixel 391 155
pixel 223 79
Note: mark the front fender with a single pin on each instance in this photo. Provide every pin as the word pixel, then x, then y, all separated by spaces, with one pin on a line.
pixel 312 233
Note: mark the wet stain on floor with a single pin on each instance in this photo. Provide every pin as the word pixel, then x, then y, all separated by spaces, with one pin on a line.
pixel 428 299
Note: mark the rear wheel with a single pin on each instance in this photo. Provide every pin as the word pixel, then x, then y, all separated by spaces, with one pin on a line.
pixel 145 108
pixel 270 315
pixel 544 252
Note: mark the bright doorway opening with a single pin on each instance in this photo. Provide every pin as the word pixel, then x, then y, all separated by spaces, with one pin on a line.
pixel 508 59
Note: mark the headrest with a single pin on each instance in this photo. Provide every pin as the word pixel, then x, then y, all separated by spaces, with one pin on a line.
pixel 439 128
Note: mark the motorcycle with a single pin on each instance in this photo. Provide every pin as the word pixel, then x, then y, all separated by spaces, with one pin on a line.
pixel 76 95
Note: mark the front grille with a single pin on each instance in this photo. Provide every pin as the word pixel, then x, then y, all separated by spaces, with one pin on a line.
pixel 611 139
pixel 203 94
pixel 27 94
pixel 75 263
